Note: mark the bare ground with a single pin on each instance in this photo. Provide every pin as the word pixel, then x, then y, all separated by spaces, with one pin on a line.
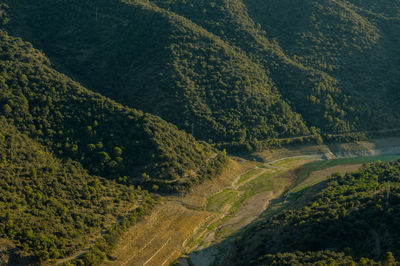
pixel 162 237
pixel 249 211
pixel 159 238
pixel 321 175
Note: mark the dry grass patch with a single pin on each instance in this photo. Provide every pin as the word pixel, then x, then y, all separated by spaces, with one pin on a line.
pixel 159 238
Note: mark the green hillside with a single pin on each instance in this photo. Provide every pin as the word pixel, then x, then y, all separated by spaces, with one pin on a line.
pixel 187 75
pixel 100 99
pixel 233 72
pixel 108 139
pixel 71 159
pixel 357 49
pixel 51 208
pixel 300 55
pixel 389 9
pixel 355 218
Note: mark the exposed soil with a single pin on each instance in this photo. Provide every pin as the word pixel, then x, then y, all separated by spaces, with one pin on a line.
pixel 159 238
pixel 180 222
pixel 321 175
pixel 249 211
pixel 11 255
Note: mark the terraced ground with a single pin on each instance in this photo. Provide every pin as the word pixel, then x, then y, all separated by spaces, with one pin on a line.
pixel 203 223
pixel 265 190
pixel 242 203
pixel 160 238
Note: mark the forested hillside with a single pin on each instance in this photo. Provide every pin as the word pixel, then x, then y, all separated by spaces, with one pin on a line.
pixel 354 219
pixel 101 100
pixel 48 207
pixel 187 75
pixel 108 139
pixel 235 72
pixel 73 162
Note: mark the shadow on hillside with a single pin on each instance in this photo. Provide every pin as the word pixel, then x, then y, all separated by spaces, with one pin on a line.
pixel 223 251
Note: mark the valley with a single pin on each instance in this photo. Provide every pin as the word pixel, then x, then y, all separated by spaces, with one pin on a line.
pixel 159 132
pixel 203 224
pixel 284 184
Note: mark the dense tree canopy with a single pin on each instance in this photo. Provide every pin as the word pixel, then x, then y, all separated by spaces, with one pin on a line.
pixel 73 163
pixel 49 207
pixel 238 73
pixel 108 139
pixel 354 219
pixel 233 72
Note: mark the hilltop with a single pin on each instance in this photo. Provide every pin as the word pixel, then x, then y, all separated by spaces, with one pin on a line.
pixel 73 162
pixel 107 138
pixel 104 100
pixel 230 72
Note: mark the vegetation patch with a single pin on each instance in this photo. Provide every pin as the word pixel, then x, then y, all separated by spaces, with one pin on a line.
pixel 246 176
pixel 355 217
pixel 305 171
pixel 218 201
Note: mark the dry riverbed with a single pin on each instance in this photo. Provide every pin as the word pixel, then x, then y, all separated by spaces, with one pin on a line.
pixel 198 227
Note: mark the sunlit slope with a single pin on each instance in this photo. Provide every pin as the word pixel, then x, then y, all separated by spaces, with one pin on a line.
pixel 50 208
pixel 109 139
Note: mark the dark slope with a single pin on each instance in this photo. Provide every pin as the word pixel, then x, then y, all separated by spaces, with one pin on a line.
pixel 356 48
pixel 299 44
pixel 358 214
pixel 237 71
pixel 389 9
pixel 108 139
pixel 162 63
pixel 230 71
pixel 321 34
pixel 232 23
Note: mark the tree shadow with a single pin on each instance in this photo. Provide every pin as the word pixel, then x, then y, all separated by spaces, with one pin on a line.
pixel 223 252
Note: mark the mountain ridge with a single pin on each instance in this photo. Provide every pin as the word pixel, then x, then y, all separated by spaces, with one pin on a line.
pixel 203 71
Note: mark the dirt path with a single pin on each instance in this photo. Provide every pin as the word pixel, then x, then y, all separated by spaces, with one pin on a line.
pixel 177 226
pixel 75 256
pixel 159 238
pixel 350 132
pixel 247 213
pixel 235 185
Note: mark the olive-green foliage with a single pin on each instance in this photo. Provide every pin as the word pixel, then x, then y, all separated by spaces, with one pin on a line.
pixel 358 214
pixel 232 72
pixel 350 52
pixel 108 139
pixel 157 61
pixel 321 258
pixel 49 207
pixel 57 138
pixel 321 55
pixel 389 9
pixel 103 246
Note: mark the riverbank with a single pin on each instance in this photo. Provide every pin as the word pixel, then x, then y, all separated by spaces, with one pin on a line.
pixel 202 222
